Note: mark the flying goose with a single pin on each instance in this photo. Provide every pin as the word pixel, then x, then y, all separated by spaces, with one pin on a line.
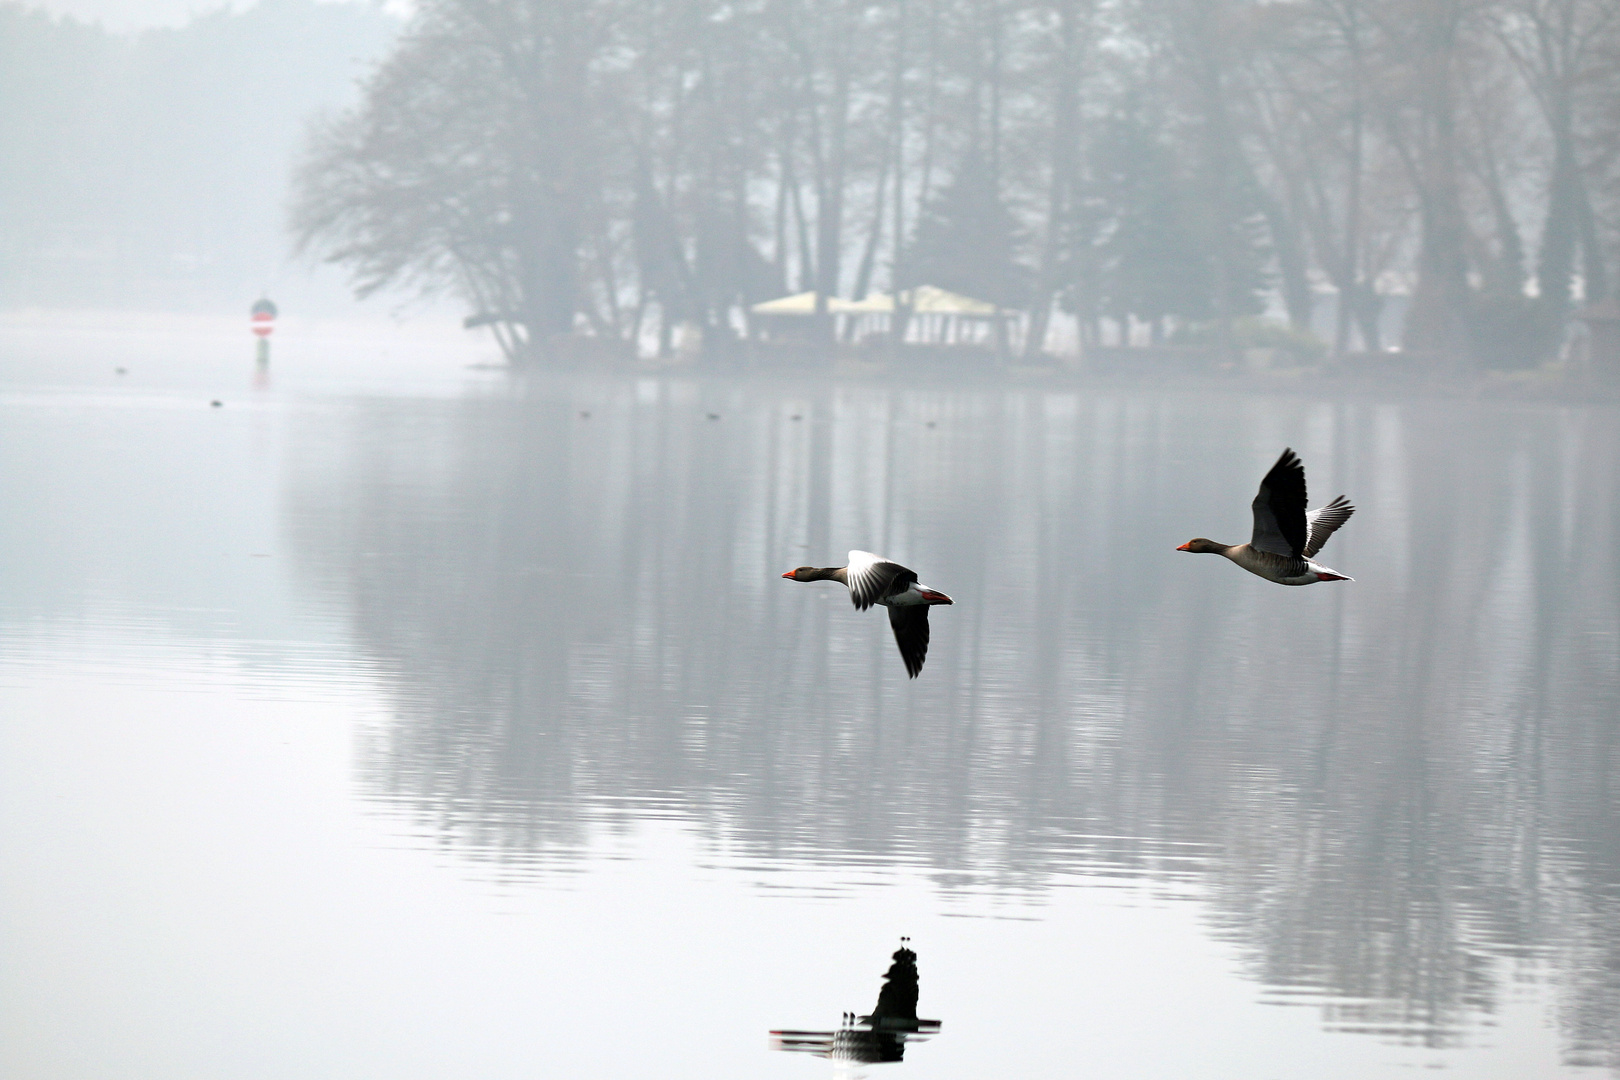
pixel 1286 535
pixel 875 580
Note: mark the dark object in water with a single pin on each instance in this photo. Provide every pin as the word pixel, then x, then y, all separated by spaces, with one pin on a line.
pixel 216 404
pixel 714 416
pixel 878 1037
pixel 897 1000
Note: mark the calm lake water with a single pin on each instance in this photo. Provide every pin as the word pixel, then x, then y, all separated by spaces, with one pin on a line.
pixel 401 719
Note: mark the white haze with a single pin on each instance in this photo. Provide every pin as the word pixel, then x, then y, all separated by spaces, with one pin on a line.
pixel 145 160
pixel 124 16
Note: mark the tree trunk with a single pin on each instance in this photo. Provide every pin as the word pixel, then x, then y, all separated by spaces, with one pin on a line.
pixel 1594 267
pixel 779 218
pixel 993 9
pixel 1561 233
pixel 1204 24
pixel 1437 320
pixel 1065 135
pixel 830 194
pixel 897 328
pixel 807 265
pixel 1368 308
pixel 891 158
pixel 1291 261
pixel 1350 268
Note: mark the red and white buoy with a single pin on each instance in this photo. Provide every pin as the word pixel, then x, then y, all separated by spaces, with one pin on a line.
pixel 264 317
pixel 263 323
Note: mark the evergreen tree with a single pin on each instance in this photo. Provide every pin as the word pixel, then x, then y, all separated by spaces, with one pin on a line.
pixel 1152 253
pixel 967 241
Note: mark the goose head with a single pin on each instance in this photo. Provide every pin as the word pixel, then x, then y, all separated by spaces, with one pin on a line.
pixel 1201 546
pixel 812 573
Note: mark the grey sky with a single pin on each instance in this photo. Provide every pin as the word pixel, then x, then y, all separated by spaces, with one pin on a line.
pixel 126 15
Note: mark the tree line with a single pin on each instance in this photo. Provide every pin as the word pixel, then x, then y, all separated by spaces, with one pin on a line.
pixel 617 168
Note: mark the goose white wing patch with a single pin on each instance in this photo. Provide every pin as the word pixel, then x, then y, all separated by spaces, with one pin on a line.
pixel 1322 523
pixel 872 577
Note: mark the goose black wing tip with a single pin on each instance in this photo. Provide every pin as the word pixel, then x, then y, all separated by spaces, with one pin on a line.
pixel 911 633
pixel 1288 465
pixel 1279 507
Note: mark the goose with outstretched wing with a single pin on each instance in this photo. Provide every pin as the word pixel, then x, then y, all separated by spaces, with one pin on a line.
pixel 1286 535
pixel 874 580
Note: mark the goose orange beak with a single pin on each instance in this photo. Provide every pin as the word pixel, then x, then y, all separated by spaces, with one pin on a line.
pixel 1185 547
pixel 788 574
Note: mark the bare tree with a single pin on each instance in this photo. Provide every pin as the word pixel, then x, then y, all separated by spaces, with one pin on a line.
pixel 469 165
pixel 1555 46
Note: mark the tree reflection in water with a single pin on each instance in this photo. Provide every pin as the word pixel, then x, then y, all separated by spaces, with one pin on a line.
pixel 1390 791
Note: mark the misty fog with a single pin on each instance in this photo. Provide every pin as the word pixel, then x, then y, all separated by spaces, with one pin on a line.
pixel 402 680
pixel 148 170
